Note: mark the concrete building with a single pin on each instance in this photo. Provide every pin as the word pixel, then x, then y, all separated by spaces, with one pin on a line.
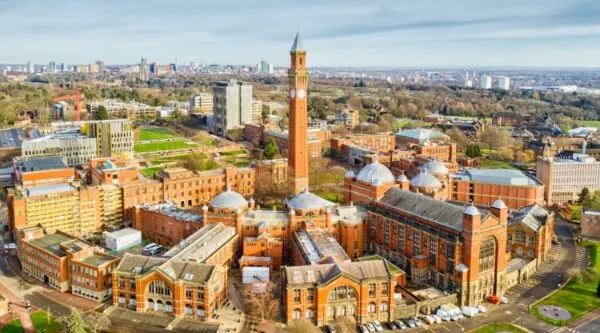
pixel 566 176
pixel 122 239
pixel 65 263
pixel 486 82
pixel 232 105
pixel 76 148
pixel 347 117
pixel 257 106
pixel 201 102
pixel 504 82
pixel 484 186
pixel 128 110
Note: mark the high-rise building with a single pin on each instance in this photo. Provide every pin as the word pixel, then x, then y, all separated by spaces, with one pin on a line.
pixel 486 82
pixel 201 102
pixel 232 105
pixel 30 68
pixel 100 65
pixel 264 67
pixel 298 118
pixel 256 110
pixel 270 68
pixel 144 74
pixel 52 67
pixel 504 82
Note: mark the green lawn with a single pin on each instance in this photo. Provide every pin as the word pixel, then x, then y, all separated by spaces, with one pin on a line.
pixel 232 152
pixel 155 133
pixel 333 197
pixel 498 327
pixel 45 324
pixel 170 159
pixel 13 327
pixel 149 172
pixel 494 164
pixel 590 123
pixel 158 146
pixel 579 295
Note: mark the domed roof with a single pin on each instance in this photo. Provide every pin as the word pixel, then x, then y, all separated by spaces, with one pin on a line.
pixel 499 204
pixel 471 210
pixel 424 179
pixel 462 268
pixel 308 201
pixel 230 200
pixel 350 174
pixel 375 171
pixel 436 168
pixel 402 178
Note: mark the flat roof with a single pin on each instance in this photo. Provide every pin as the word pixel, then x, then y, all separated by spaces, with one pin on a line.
pixel 48 189
pixel 123 232
pixel 170 210
pixel 203 243
pixel 318 244
pixel 96 260
pixel 51 243
pixel 39 163
pixel 11 138
pixel 497 176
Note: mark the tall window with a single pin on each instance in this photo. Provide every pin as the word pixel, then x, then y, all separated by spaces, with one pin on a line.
pixel 342 293
pixel 520 236
pixel 159 288
pixel 384 289
pixel 416 243
pixel 296 295
pixel 371 308
pixel 401 239
pixel 487 254
pixel 310 294
pixel 372 289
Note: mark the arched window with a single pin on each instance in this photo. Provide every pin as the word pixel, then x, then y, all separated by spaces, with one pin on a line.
pixel 384 307
pixel 350 310
pixel 372 308
pixel 297 314
pixel 341 311
pixel 121 299
pixel 487 254
pixel 520 236
pixel 159 287
pixel 310 313
pixel 200 312
pixel 132 300
pixel 150 304
pixel 168 307
pixel 342 293
pixel 189 310
pixel 330 312
pixel 159 305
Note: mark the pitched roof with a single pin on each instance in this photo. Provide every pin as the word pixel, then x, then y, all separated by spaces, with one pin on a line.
pixel 138 264
pixel 440 212
pixel 188 271
pixel 324 273
pixel 297 46
pixel 534 217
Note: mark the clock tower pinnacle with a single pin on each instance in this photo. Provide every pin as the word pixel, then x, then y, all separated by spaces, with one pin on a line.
pixel 298 116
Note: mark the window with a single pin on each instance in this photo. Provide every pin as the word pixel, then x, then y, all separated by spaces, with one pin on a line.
pixel 520 236
pixel 188 292
pixel 159 287
pixel 310 313
pixel 342 293
pixel 371 308
pixel 296 295
pixel 310 294
pixel 384 289
pixel 121 282
pixel 372 289
pixel 297 314
pixel 487 254
pixel 384 307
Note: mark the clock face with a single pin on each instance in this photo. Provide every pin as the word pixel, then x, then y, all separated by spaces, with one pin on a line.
pixel 301 93
pixel 292 93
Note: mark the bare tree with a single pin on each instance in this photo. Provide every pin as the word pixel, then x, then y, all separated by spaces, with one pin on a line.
pixel 97 322
pixel 317 170
pixel 302 326
pixel 459 137
pixel 345 325
pixel 264 304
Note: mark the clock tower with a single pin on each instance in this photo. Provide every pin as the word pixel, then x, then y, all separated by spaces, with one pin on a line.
pixel 298 115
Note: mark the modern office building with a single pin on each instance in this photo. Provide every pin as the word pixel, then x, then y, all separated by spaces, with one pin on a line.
pixel 484 186
pixel 76 148
pixel 232 105
pixel 201 102
pixel 567 175
pixel 65 263
pixel 127 110
pixel 486 82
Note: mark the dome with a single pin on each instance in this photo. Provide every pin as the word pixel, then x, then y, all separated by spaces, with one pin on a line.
pixel 350 174
pixel 436 168
pixel 402 178
pixel 308 201
pixel 499 204
pixel 229 200
pixel 424 179
pixel 471 210
pixel 375 171
pixel 462 268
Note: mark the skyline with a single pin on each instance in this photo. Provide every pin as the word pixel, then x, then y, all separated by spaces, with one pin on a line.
pixel 396 34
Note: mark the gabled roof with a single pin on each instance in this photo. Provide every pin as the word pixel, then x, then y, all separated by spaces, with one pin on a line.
pixel 327 272
pixel 534 217
pixel 138 264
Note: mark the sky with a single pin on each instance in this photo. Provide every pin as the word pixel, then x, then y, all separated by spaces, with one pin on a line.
pixel 352 33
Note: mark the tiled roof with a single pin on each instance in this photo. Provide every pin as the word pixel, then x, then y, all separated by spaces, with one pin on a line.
pixel 323 273
pixel 534 217
pixel 138 264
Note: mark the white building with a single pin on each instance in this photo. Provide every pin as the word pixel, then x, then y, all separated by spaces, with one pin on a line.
pixel 504 82
pixel 232 105
pixel 486 82
pixel 469 83
pixel 201 102
pixel 122 239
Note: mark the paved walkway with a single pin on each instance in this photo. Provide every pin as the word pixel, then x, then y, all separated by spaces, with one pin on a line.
pixel 17 305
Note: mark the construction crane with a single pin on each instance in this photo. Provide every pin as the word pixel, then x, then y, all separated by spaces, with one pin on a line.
pixel 76 96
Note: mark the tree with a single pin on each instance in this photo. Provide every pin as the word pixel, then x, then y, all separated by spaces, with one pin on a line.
pixel 345 325
pixel 271 149
pixel 592 202
pixel 302 326
pixel 98 322
pixel 101 113
pixel 497 138
pixel 317 171
pixel 261 304
pixel 459 137
pixel 585 192
pixel 270 192
pixel 74 322
pixel 199 162
pixel 598 290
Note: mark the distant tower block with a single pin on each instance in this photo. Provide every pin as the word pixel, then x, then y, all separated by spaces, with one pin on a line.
pixel 298 133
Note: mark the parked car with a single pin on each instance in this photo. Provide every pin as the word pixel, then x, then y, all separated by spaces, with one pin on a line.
pixel 493 299
pixel 149 246
pixel 378 326
pixel 410 323
pixel 481 308
pixel 429 320
pixel 330 329
pixel 469 311
pixel 371 327
pixel 504 300
pixel 363 329
pixel 401 325
pixel 392 325
pixel 437 318
pixel 156 250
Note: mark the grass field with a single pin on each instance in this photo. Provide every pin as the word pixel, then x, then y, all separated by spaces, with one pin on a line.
pixel 170 159
pixel 45 324
pixel 155 133
pixel 579 295
pixel 591 123
pixel 333 197
pixel 13 327
pixel 158 146
pixel 498 327
pixel 493 164
pixel 149 172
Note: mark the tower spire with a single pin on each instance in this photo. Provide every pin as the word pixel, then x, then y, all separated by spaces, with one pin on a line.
pixel 297 46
